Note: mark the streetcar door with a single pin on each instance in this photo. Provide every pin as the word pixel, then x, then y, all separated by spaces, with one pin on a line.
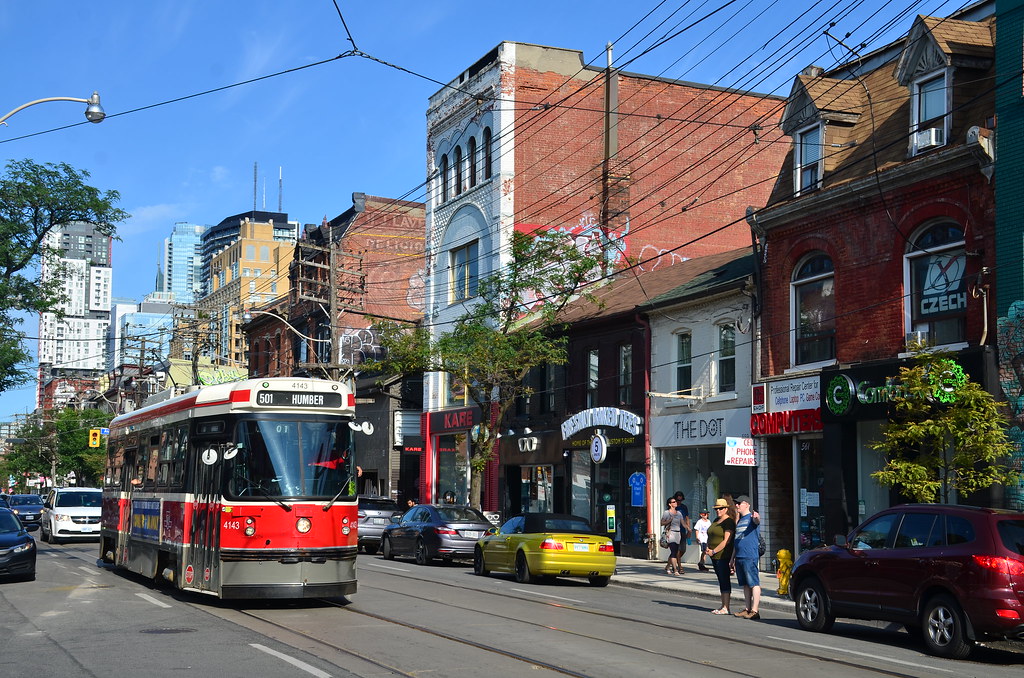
pixel 124 509
pixel 204 531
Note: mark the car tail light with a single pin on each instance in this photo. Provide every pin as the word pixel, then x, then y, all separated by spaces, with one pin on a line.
pixel 552 545
pixel 1008 614
pixel 1010 566
pixel 361 514
pixel 445 530
pixel 606 548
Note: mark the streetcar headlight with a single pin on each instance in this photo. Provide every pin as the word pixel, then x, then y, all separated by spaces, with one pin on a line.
pixel 346 529
pixel 250 530
pixel 344 521
pixel 303 525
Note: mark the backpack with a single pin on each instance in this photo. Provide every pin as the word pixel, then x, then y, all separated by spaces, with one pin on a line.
pixel 762 547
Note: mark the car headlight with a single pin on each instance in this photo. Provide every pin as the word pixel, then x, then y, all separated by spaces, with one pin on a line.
pixel 62 518
pixel 21 548
pixel 16 511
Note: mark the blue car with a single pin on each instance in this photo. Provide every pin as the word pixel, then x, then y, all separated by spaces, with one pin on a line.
pixel 17 548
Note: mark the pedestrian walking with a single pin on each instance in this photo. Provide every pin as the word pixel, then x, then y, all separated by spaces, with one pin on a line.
pixel 719 549
pixel 700 530
pixel 746 555
pixel 672 524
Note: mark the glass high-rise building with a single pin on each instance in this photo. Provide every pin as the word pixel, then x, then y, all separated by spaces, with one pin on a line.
pixel 183 262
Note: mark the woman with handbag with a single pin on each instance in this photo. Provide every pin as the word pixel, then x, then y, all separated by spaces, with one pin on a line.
pixel 672 536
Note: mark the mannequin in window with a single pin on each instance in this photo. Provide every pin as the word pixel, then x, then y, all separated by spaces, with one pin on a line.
pixel 712 487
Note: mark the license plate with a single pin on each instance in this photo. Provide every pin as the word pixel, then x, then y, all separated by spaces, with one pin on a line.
pixel 471 534
pixel 580 547
pixel 379 521
pixel 89 528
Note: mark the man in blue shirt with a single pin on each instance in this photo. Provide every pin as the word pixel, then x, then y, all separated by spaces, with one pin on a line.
pixel 745 556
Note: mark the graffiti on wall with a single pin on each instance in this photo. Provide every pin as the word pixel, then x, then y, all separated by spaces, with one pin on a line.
pixel 1011 379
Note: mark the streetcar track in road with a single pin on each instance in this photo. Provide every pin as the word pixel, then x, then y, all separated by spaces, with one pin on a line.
pixel 618 617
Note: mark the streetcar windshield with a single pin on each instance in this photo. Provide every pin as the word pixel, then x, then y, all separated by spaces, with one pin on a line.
pixel 284 458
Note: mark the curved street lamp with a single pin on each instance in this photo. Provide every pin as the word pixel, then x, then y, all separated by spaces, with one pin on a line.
pixel 93 111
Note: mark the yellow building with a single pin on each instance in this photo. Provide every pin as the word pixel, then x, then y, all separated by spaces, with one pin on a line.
pixel 251 271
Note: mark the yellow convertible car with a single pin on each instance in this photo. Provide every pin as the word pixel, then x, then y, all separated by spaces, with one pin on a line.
pixel 546 545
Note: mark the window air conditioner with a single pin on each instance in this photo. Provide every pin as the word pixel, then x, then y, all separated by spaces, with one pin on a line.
pixel 928 138
pixel 917 337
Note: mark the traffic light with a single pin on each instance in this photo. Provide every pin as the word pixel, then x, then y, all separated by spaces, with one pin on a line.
pixel 94 437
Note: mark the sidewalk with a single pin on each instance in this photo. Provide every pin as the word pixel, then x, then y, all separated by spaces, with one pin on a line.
pixel 650 574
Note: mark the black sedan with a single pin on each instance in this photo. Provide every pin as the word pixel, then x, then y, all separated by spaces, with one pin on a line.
pixel 17 548
pixel 429 531
pixel 28 507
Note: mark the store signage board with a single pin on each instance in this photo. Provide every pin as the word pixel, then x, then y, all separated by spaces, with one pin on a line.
pixel 740 452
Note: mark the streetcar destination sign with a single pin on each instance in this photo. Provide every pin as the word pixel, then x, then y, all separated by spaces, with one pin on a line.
pixel 292 399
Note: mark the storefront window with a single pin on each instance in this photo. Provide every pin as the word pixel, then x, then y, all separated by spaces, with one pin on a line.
pixel 581 482
pixel 453 467
pixel 873 496
pixel 700 473
pixel 812 481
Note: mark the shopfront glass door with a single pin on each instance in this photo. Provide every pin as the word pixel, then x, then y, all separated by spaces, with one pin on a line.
pixel 811 475
pixel 536 488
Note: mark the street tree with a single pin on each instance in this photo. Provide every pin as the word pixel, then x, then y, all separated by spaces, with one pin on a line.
pixel 35 199
pixel 58 447
pixel 946 434
pixel 510 328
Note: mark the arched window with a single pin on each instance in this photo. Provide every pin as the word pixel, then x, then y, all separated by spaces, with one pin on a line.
pixel 471 161
pixel 443 171
pixel 457 170
pixel 487 152
pixel 938 291
pixel 814 311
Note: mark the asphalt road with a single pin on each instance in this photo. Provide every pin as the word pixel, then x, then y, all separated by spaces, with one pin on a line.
pixel 81 619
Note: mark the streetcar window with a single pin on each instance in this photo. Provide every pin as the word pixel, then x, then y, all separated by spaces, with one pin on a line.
pixel 180 452
pixel 209 428
pixel 278 458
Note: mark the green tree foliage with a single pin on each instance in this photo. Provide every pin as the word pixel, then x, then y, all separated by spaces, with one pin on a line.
pixel 34 200
pixel 946 434
pixel 58 446
pixel 510 328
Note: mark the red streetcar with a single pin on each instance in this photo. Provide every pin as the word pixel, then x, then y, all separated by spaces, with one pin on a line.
pixel 240 490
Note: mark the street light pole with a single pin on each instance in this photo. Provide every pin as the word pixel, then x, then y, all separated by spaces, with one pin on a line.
pixel 93 111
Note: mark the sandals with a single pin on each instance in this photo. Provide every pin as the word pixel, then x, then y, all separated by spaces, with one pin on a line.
pixel 720 611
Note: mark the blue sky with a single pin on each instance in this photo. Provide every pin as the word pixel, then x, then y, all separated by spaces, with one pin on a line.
pixel 348 125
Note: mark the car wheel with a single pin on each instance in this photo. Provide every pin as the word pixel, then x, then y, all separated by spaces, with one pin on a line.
pixel 479 565
pixel 370 549
pixel 523 574
pixel 422 557
pixel 44 534
pixel 812 607
pixel 943 628
pixel 601 580
pixel 385 548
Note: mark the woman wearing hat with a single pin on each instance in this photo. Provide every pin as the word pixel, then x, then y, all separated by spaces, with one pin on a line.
pixel 719 549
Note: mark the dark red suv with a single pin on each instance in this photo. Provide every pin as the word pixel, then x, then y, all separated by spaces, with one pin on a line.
pixel 953 573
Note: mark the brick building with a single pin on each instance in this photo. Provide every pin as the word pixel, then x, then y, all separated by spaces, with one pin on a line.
pixel 630 166
pixel 366 263
pixel 879 233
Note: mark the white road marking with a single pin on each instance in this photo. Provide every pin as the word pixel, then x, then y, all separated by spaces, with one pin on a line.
pixel 861 654
pixel 150 599
pixel 292 660
pixel 548 595
pixel 90 570
pixel 385 567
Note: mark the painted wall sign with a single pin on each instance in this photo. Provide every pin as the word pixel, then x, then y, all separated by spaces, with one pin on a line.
pixel 611 417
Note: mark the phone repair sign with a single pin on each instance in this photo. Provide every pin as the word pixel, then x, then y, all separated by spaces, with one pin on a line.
pixel 740 452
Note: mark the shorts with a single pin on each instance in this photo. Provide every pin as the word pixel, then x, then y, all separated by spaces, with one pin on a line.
pixel 746 572
pixel 676 549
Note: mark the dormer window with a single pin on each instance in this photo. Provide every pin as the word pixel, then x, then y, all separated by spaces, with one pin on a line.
pixel 929 109
pixel 807 160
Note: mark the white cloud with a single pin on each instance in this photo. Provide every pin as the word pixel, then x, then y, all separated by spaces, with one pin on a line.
pixel 149 218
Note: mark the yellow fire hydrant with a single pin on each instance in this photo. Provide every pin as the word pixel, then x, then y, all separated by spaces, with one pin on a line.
pixel 785 559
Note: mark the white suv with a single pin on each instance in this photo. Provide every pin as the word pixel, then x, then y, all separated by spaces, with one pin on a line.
pixel 71 513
